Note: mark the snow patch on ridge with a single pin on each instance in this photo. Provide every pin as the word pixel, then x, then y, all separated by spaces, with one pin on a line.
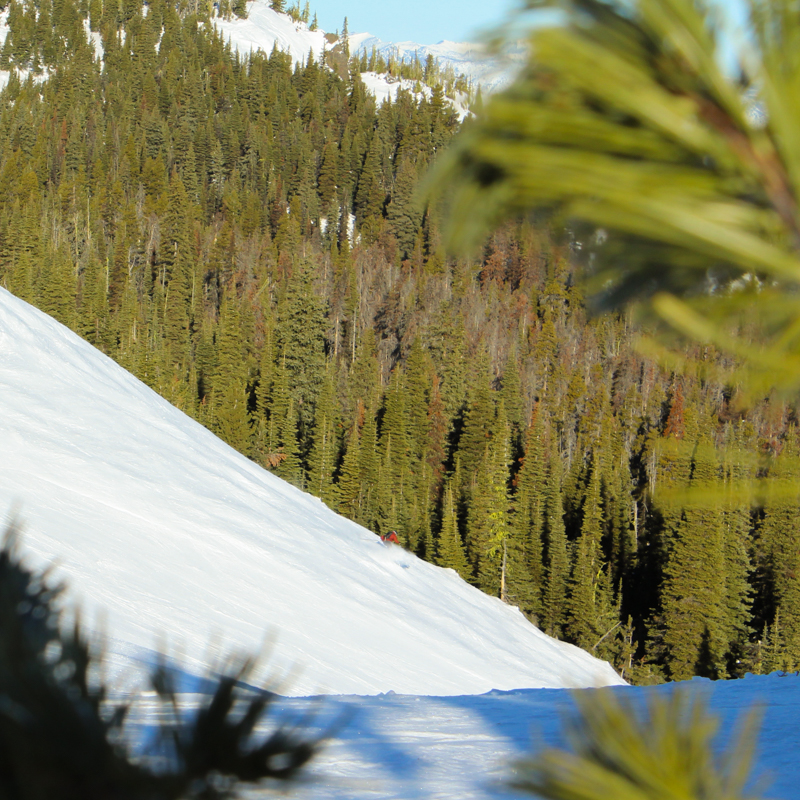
pixel 264 29
pixel 471 59
pixel 383 87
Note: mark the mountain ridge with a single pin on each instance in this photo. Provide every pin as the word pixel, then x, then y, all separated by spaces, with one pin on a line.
pixel 263 28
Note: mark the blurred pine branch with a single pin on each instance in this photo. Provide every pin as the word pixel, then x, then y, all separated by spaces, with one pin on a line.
pixel 670 152
pixel 664 752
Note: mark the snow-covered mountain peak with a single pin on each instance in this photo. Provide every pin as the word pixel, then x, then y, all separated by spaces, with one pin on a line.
pixel 165 529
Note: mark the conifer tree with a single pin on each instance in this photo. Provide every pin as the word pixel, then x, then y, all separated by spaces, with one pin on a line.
pixel 693 595
pixel 778 543
pixel 478 419
pixel 526 568
pixel 416 391
pixel 489 537
pixel 266 368
pixel 479 504
pixel 289 465
pixel 451 547
pixel 370 194
pixel 232 420
pixel 512 397
pixel 176 264
pixel 58 283
pixel 736 525
pixel 230 364
pixel 369 467
pixel 557 572
pixel 349 485
pixel 436 441
pixel 394 446
pixel 401 211
pixel 328 178
pixel 582 617
pixel 325 443
pixel 300 338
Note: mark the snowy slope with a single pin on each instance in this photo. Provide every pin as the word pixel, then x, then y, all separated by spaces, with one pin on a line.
pixel 164 528
pixel 385 87
pixel 466 58
pixel 264 28
pixel 463 748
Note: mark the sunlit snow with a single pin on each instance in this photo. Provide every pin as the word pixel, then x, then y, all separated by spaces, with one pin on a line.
pixel 168 531
pixel 155 521
pixel 264 29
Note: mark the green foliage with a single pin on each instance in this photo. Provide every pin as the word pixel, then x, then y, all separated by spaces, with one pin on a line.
pixel 526 573
pixel 325 448
pixel 631 125
pixel 665 752
pixel 694 587
pixel 589 601
pixel 557 573
pixel 189 211
pixel 451 547
pixel 665 149
pixel 403 212
pixel 232 421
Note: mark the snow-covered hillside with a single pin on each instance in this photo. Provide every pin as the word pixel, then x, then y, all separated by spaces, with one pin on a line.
pixel 166 530
pixel 264 28
pixel 465 58
pixel 463 748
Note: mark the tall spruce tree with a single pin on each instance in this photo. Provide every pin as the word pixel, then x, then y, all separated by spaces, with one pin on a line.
pixel 527 523
pixel 554 606
pixel 451 547
pixel 694 588
pixel 325 443
pixel 584 603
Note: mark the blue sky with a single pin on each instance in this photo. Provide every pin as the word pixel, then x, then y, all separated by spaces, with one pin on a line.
pixel 430 21
pixel 422 21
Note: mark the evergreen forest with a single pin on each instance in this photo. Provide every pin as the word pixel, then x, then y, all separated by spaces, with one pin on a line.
pixel 245 236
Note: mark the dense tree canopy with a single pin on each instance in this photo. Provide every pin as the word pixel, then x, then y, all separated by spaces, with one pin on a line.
pixel 244 235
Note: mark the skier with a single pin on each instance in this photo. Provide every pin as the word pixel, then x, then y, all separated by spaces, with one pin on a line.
pixel 390 537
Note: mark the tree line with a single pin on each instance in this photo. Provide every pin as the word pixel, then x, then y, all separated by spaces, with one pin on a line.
pixel 245 236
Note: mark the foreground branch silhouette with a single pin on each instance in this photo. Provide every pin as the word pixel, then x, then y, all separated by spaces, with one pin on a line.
pixel 61 739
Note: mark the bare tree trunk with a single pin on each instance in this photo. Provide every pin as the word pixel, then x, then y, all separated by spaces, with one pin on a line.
pixel 336 337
